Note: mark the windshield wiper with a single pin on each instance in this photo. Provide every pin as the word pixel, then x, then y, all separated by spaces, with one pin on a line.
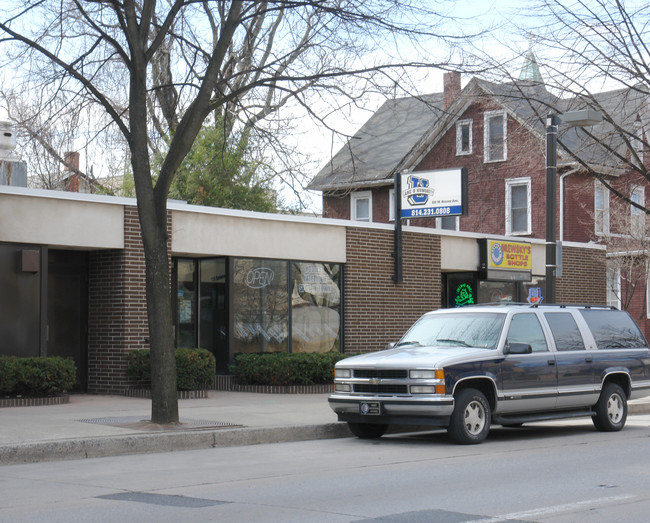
pixel 449 340
pixel 410 342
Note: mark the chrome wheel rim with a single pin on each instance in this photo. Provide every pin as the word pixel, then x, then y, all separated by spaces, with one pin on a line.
pixel 615 408
pixel 474 418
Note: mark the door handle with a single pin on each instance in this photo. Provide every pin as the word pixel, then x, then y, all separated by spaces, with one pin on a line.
pixel 589 360
pixel 551 362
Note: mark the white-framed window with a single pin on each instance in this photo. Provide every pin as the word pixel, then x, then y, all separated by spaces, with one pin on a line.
pixel 495 131
pixel 518 206
pixel 601 208
pixel 637 216
pixel 391 205
pixel 448 223
pixel 361 206
pixel 613 280
pixel 464 137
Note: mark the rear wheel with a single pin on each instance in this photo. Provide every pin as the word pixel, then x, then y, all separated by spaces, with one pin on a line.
pixel 368 430
pixel 470 421
pixel 610 412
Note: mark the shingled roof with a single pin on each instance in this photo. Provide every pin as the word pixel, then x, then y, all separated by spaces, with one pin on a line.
pixel 371 155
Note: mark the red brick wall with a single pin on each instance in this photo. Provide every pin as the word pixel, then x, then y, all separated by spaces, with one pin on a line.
pixel 377 310
pixel 583 276
pixel 117 308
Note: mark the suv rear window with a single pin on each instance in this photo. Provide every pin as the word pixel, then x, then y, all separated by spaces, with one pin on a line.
pixel 565 331
pixel 613 329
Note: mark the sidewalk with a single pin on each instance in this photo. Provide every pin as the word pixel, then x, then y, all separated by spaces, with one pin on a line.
pixel 97 426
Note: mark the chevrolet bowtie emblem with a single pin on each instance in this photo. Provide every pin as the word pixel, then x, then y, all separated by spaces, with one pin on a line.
pixel 375 381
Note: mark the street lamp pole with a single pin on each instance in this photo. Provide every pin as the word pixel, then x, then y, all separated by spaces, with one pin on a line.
pixel 551 207
pixel 582 118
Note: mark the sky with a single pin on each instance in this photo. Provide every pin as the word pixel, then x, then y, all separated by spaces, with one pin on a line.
pixel 471 16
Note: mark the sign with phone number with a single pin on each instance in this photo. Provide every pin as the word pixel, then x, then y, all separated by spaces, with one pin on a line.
pixel 431 194
pixel 432 211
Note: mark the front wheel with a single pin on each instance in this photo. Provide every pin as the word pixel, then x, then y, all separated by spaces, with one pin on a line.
pixel 610 412
pixel 368 430
pixel 470 421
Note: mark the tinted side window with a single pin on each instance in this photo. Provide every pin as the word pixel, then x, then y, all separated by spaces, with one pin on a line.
pixel 525 328
pixel 565 331
pixel 614 329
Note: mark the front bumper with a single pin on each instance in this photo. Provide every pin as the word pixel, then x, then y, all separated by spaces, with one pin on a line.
pixel 395 410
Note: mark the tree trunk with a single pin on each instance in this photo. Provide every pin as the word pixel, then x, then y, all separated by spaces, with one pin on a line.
pixel 164 399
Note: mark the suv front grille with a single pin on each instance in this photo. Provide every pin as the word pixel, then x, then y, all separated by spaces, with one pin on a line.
pixel 381 389
pixel 382 373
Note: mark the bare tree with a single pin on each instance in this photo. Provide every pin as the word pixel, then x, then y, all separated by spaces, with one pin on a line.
pixel 156 71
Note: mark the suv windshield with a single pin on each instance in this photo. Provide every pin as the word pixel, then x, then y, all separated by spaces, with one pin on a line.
pixel 456 329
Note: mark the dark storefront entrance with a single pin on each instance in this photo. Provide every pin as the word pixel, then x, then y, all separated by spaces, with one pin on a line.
pixel 67 310
pixel 202 306
pixel 44 304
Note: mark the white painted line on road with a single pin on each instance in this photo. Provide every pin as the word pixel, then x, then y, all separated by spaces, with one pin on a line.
pixel 547 511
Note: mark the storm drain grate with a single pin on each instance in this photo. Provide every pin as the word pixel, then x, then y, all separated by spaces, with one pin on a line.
pixel 165 500
pixel 144 424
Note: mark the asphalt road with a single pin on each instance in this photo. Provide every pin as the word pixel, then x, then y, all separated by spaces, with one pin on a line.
pixel 560 472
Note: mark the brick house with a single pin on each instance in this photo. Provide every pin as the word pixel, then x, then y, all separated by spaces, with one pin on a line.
pixel 497 132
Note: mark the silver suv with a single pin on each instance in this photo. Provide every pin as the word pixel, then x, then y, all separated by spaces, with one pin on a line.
pixel 471 367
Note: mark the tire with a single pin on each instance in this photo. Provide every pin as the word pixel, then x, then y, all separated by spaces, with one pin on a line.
pixel 470 421
pixel 610 412
pixel 368 430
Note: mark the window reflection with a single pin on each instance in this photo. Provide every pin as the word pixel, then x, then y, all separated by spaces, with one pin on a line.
pixel 315 307
pixel 260 305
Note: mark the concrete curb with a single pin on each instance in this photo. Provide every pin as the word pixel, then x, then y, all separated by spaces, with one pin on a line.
pixel 170 441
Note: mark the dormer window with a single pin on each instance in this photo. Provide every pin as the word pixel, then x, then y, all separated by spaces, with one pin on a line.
pixel 463 137
pixel 494 136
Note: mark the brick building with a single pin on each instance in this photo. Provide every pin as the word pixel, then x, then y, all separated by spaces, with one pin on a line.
pixel 72 280
pixel 497 132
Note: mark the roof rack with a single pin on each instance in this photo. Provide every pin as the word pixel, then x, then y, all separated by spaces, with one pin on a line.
pixel 575 306
pixel 549 305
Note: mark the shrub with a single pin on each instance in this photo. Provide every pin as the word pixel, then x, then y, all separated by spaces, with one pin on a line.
pixel 281 368
pixel 194 367
pixel 36 376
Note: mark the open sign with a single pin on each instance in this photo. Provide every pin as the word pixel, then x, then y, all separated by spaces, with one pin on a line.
pixel 259 277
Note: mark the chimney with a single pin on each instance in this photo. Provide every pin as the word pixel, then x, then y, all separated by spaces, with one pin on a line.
pixel 71 160
pixel 451 86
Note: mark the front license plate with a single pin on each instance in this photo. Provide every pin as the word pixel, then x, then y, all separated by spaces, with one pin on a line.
pixel 370 408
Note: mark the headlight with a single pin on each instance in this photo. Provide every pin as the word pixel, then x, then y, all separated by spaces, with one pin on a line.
pixel 342 373
pixel 342 387
pixel 433 374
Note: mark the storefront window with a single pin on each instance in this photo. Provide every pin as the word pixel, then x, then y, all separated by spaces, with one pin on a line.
pixel 497 292
pixel 260 305
pixel 186 314
pixel 315 307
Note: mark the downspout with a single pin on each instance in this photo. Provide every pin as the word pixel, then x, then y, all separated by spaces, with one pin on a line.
pixel 562 177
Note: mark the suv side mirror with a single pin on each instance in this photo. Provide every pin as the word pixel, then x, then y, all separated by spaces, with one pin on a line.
pixel 390 345
pixel 517 348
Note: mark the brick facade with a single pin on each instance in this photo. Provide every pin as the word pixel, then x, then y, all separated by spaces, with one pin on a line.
pixel 376 311
pixel 117 315
pixel 583 276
